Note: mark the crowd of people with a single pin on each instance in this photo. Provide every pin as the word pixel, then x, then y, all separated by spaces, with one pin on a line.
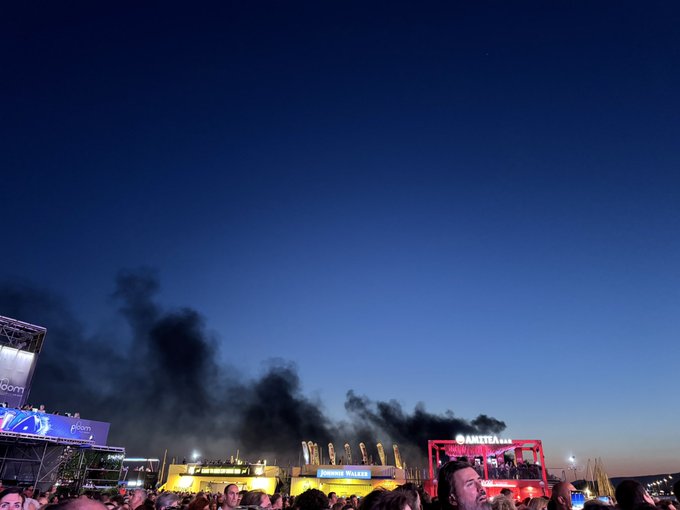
pixel 39 409
pixel 459 487
pixel 512 471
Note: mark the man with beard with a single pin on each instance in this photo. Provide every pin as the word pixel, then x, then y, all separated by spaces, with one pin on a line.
pixel 460 486
pixel 561 496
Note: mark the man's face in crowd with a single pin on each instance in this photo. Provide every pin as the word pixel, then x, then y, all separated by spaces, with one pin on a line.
pixel 232 496
pixel 137 498
pixel 265 502
pixel 562 495
pixel 469 493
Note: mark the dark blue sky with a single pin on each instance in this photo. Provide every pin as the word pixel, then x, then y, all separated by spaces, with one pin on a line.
pixel 470 204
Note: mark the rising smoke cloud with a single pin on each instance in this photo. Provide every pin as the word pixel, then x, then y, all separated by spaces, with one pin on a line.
pixel 160 385
pixel 412 431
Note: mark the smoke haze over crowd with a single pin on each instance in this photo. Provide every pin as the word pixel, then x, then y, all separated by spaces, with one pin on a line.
pixel 165 386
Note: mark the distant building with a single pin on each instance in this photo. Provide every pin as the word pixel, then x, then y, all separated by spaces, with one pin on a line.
pixel 345 480
pixel 196 477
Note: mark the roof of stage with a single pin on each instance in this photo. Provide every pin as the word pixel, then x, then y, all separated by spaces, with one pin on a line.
pixel 21 335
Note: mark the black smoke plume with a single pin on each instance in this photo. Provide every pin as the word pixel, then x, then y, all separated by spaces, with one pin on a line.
pixel 412 431
pixel 158 381
pixel 273 413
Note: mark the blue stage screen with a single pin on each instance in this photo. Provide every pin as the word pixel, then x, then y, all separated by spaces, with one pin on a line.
pixel 53 425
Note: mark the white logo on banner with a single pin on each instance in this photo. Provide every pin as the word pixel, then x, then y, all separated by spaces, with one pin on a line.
pixel 79 427
pixel 6 385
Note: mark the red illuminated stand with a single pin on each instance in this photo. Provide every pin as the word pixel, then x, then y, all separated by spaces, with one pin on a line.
pixel 526 478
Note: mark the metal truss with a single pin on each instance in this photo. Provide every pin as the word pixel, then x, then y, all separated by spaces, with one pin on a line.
pixel 97 467
pixel 19 436
pixel 21 335
pixel 46 463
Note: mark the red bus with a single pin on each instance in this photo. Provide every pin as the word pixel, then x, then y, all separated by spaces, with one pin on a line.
pixel 515 464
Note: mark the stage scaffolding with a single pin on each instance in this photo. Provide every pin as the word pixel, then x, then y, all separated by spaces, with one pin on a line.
pixel 46 462
pixel 21 335
pixel 37 459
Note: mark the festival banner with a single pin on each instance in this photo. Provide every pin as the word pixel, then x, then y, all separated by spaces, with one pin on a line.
pixel 16 371
pixel 53 425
